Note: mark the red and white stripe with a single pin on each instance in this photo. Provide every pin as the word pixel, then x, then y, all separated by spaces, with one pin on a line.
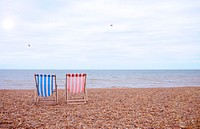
pixel 76 83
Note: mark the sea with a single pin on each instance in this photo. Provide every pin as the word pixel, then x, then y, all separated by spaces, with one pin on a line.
pixel 24 79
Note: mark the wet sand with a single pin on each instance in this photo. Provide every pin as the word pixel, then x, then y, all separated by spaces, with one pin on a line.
pixel 114 108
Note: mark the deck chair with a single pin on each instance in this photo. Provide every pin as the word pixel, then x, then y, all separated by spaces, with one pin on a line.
pixel 46 88
pixel 75 86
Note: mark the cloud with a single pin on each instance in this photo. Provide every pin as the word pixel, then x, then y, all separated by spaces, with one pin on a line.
pixel 77 34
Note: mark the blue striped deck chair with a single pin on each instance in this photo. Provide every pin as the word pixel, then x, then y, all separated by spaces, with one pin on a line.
pixel 75 87
pixel 46 88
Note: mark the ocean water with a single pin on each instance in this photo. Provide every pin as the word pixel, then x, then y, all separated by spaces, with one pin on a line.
pixel 24 79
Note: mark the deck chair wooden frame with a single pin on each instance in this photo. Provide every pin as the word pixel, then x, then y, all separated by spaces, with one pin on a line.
pixel 46 88
pixel 75 87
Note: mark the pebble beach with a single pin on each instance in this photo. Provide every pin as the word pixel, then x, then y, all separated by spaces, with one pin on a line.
pixel 106 108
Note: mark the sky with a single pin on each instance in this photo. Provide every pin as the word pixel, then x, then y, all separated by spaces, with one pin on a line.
pixel 100 34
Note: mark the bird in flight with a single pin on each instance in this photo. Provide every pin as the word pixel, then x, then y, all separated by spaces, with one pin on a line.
pixel 29 45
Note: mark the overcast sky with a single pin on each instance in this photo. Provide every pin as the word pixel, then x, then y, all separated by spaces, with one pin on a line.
pixel 100 34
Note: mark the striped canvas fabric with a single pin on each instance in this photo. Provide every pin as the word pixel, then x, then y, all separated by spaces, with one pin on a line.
pixel 76 83
pixel 45 84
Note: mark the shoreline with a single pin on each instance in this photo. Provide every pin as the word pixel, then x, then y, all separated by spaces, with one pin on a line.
pixel 177 107
pixel 170 87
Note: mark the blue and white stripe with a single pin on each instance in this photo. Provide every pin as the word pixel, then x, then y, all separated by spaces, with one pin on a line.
pixel 45 84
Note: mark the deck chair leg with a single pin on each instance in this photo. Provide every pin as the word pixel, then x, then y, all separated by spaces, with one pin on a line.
pixel 57 97
pixel 67 96
pixel 65 91
pixel 56 94
pixel 86 95
pixel 35 99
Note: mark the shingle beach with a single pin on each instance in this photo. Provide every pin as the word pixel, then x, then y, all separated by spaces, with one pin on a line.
pixel 114 108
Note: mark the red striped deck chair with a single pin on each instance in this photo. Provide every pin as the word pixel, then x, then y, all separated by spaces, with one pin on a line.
pixel 46 88
pixel 76 92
